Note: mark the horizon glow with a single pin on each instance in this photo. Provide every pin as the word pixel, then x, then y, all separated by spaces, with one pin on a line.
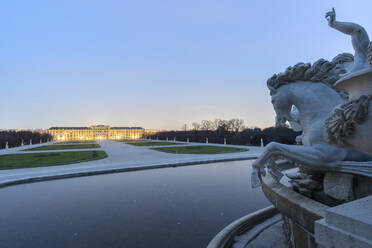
pixel 157 64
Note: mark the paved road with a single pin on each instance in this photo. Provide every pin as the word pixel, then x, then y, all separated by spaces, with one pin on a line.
pixel 120 156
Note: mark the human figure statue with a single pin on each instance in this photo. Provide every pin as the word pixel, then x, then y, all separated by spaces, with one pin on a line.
pixel 359 39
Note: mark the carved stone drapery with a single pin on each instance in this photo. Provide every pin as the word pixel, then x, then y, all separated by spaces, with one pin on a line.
pixel 342 123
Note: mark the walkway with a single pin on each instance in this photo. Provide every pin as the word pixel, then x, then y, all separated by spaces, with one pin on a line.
pixel 121 157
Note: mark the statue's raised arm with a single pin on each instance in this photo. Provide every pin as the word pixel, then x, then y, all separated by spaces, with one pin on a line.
pixel 359 39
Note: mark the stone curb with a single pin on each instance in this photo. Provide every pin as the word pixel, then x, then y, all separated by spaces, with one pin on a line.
pixel 24 180
pixel 225 237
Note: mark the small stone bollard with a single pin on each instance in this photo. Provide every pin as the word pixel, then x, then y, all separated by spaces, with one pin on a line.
pixel 6 145
pixel 41 141
pixel 206 140
pixel 224 141
pixel 30 141
pixel 262 143
pixel 22 144
pixel 187 140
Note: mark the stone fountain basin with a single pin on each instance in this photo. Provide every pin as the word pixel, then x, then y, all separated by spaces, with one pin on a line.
pixel 356 84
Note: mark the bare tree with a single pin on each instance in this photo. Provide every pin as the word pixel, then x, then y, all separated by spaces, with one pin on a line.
pixel 206 125
pixel 236 125
pixel 223 125
pixel 215 124
pixel 195 126
pixel 184 127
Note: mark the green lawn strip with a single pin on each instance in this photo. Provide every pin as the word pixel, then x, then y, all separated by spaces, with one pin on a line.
pixel 199 149
pixel 153 143
pixel 63 147
pixel 75 142
pixel 31 160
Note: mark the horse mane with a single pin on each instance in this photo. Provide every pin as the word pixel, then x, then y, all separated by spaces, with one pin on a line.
pixel 321 71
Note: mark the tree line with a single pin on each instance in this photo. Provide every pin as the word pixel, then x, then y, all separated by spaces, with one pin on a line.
pixel 14 138
pixel 232 130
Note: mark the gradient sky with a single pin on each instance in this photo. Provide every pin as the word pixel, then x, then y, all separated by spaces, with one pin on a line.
pixel 157 64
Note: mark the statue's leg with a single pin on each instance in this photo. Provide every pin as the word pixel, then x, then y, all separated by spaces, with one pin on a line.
pixel 320 155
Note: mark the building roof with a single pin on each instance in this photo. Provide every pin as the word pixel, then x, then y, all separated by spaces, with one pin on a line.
pixel 68 128
pixel 126 128
pixel 89 128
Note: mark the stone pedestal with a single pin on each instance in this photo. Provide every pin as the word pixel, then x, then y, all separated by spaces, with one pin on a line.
pixel 308 223
pixel 347 225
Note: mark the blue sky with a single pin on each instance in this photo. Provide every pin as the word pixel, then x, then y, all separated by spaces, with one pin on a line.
pixel 157 64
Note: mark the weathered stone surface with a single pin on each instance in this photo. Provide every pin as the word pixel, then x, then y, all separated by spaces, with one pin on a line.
pixel 272 235
pixel 347 225
pixel 354 217
pixel 362 186
pixel 302 210
pixel 339 186
pixel 327 236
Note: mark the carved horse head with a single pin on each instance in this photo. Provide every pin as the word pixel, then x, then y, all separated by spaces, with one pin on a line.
pixel 282 106
pixel 321 71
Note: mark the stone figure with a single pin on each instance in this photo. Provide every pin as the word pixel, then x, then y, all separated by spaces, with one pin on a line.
pixel 359 39
pixel 350 124
pixel 309 88
pixel 370 53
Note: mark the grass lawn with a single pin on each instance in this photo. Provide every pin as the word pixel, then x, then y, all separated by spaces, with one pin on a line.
pixel 63 147
pixel 31 160
pixel 153 143
pixel 199 149
pixel 75 142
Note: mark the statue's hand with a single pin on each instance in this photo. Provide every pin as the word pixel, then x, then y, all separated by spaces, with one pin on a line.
pixel 331 16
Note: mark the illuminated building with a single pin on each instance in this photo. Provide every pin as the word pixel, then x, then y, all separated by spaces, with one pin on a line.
pixel 99 132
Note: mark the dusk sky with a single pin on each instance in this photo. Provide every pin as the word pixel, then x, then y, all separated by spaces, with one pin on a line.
pixel 157 64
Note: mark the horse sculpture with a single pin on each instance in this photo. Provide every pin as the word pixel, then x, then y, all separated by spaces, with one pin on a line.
pixel 309 89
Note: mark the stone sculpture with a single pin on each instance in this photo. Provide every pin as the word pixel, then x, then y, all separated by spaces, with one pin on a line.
pixel 350 124
pixel 330 102
pixel 309 88
pixel 370 53
pixel 359 39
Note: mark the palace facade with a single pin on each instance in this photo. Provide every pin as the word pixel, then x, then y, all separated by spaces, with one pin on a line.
pixel 98 132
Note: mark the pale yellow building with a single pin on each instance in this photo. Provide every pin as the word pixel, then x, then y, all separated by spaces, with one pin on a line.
pixel 99 132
